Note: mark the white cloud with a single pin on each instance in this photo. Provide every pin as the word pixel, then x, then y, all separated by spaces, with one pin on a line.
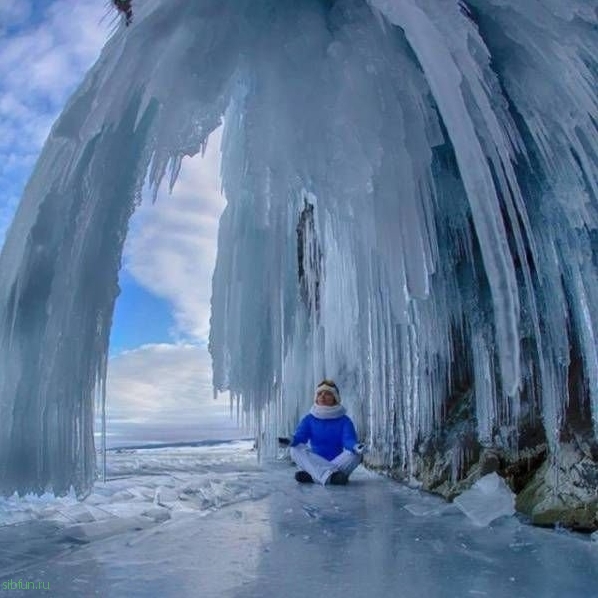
pixel 171 249
pixel 164 392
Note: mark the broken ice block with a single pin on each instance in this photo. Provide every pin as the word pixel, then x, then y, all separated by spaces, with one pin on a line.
pixel 97 530
pixel 488 499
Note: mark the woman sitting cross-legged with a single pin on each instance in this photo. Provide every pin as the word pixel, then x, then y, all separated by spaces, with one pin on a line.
pixel 333 451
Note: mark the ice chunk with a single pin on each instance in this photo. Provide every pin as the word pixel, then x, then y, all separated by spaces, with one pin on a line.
pixel 164 495
pixel 97 530
pixel 78 513
pixel 422 510
pixel 488 499
pixel 126 509
pixel 158 514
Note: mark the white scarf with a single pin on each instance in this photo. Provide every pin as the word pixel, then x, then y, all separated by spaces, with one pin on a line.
pixel 326 412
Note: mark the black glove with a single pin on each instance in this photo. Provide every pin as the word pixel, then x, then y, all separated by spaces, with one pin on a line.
pixel 284 441
pixel 359 448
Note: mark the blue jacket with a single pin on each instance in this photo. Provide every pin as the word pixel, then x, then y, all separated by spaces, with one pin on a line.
pixel 327 437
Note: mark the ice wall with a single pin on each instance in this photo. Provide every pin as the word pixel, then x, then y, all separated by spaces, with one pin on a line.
pixel 446 153
pixel 139 110
pixel 412 189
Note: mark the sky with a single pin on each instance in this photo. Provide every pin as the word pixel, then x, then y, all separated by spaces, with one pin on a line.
pixel 159 375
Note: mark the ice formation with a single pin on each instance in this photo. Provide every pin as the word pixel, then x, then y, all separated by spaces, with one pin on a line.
pixel 412 189
pixel 488 499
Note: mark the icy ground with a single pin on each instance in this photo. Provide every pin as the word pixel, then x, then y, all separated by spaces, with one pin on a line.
pixel 209 522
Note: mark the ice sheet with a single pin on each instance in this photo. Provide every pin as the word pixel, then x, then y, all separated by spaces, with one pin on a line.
pixel 270 537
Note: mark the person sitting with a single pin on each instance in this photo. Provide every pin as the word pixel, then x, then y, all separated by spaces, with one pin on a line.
pixel 333 451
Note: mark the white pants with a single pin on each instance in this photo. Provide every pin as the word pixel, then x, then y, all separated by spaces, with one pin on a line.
pixel 321 469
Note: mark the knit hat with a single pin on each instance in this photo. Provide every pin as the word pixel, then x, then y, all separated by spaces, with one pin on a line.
pixel 329 386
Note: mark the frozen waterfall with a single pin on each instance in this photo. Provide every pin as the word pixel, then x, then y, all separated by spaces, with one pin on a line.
pixel 412 192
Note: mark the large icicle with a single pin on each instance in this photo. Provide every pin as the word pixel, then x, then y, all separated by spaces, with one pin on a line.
pixel 59 265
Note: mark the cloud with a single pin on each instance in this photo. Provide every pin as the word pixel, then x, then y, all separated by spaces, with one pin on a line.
pixel 45 49
pixel 164 392
pixel 13 13
pixel 171 249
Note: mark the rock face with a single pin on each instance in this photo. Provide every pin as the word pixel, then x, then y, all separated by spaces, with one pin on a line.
pixel 551 489
pixel 563 490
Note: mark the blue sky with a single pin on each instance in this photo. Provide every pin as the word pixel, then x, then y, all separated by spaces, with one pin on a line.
pixel 159 381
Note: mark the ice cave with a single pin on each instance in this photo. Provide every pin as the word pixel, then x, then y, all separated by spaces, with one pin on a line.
pixel 412 195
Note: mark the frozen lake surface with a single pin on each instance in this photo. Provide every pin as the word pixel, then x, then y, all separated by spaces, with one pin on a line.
pixel 209 521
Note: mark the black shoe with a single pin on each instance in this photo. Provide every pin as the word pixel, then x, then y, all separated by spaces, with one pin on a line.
pixel 338 478
pixel 304 477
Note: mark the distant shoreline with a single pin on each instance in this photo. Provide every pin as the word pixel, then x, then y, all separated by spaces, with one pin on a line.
pixel 184 443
